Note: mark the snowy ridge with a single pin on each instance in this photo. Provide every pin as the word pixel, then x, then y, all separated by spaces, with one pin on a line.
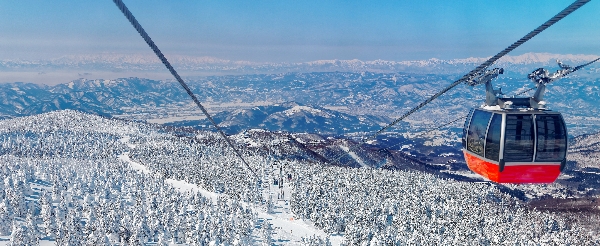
pixel 137 62
pixel 349 102
pixel 585 150
pixel 291 117
pixel 145 59
pixel 141 59
pixel 298 109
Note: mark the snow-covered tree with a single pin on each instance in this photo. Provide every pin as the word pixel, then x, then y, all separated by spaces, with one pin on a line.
pixel 6 219
pixel 266 233
pixel 47 214
pixel 18 236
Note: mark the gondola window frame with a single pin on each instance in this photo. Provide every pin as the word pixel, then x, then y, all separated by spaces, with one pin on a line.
pixel 514 150
pixel 562 148
pixel 494 127
pixel 477 146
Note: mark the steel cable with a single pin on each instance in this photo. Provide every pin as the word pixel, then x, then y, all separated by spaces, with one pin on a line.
pixel 430 130
pixel 164 60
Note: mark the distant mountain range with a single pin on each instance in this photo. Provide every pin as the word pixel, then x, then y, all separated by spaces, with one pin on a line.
pixel 325 102
pixel 290 117
pixel 118 62
pixel 102 97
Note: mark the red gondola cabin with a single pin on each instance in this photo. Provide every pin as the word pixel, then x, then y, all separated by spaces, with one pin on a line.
pixel 515 145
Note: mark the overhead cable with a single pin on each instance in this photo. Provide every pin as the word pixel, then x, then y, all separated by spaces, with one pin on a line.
pixel 164 60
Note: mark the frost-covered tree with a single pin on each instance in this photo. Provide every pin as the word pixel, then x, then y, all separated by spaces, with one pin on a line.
pixel 313 241
pixel 137 238
pixel 18 236
pixel 47 214
pixel 32 228
pixel 427 211
pixel 6 219
pixel 22 236
pixel 162 240
pixel 270 205
pixel 266 233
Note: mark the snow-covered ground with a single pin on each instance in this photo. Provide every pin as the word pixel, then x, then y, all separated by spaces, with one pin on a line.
pixel 71 178
pixel 38 185
pixel 288 229
pixel 354 156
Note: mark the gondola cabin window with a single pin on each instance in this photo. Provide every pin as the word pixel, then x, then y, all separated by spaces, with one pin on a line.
pixel 551 138
pixel 465 128
pixel 492 142
pixel 477 131
pixel 519 138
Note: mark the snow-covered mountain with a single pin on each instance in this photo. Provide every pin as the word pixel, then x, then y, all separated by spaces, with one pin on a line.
pixel 290 117
pixel 104 97
pixel 348 103
pixel 519 64
pixel 71 177
pixel 136 62
pixel 585 150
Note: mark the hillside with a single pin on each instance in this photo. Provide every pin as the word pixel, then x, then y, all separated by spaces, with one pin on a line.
pixel 290 117
pixel 76 177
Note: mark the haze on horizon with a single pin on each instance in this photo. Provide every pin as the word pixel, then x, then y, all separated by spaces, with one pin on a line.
pixel 295 31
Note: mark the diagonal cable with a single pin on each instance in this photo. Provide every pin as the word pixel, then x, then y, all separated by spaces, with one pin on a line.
pixel 562 14
pixel 583 65
pixel 430 130
pixel 164 60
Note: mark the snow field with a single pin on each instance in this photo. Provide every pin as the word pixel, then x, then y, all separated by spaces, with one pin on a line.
pixel 385 207
pixel 185 162
pixel 88 196
pixel 67 190
pixel 72 178
pixel 280 217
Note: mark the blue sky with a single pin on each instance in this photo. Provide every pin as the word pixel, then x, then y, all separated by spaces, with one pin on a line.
pixel 295 31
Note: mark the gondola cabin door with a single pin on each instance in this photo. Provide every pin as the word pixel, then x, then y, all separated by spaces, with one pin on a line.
pixel 515 146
